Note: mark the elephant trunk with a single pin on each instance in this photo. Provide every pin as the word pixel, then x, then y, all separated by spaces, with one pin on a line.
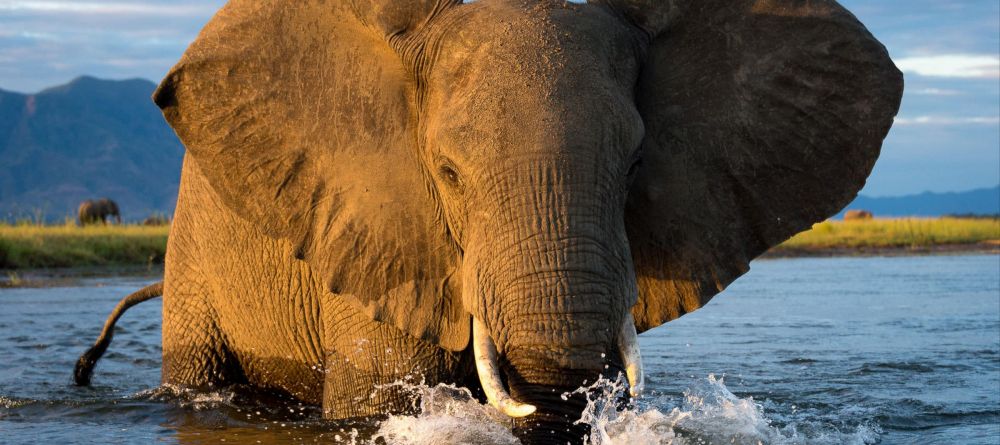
pixel 488 368
pixel 544 411
pixel 545 398
pixel 562 318
pixel 551 293
pixel 551 346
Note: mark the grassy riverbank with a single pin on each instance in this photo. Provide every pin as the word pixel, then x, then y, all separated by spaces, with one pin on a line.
pixel 26 246
pixel 29 246
pixel 897 235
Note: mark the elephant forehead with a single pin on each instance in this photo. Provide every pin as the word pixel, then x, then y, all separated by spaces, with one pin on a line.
pixel 544 44
pixel 507 75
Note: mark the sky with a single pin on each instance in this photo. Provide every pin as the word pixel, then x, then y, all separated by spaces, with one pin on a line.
pixel 946 137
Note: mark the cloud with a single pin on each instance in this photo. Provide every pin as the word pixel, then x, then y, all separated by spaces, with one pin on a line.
pixel 947 120
pixel 49 42
pixel 952 65
pixel 935 92
pixel 105 8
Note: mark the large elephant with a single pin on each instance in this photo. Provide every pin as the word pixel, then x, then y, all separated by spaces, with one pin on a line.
pixel 498 194
pixel 96 211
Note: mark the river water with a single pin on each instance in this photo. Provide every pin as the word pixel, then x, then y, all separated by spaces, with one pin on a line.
pixel 892 350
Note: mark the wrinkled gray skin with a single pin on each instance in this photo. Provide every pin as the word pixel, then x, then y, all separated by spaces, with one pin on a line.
pixel 365 178
pixel 97 211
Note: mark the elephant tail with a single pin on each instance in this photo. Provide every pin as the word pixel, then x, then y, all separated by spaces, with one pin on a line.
pixel 85 365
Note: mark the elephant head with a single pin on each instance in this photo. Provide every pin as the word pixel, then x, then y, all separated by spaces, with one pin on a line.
pixel 542 177
pixel 112 209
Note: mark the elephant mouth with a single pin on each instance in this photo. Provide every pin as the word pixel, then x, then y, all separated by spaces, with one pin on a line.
pixel 488 368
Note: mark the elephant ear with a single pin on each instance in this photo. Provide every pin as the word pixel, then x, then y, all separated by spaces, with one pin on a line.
pixel 762 117
pixel 300 115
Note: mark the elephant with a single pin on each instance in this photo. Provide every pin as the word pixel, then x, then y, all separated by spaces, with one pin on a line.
pixel 498 194
pixel 156 219
pixel 856 215
pixel 96 211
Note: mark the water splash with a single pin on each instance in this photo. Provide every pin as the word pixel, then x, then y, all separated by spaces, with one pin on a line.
pixel 707 413
pixel 190 398
pixel 6 402
pixel 448 414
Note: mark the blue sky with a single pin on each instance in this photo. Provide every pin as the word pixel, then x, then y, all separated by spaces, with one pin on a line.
pixel 946 138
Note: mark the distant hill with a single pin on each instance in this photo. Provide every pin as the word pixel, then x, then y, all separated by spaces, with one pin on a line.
pixel 88 138
pixel 95 138
pixel 973 202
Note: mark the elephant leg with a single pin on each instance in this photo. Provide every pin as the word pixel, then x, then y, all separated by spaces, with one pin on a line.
pixel 368 364
pixel 194 350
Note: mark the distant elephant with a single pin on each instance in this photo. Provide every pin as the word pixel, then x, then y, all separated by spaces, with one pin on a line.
pixel 853 215
pixel 155 220
pixel 498 194
pixel 97 211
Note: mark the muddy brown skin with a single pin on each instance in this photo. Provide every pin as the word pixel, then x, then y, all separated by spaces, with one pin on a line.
pixel 97 211
pixel 364 177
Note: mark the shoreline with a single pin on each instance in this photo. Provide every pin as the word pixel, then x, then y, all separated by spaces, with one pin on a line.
pixel 779 252
pixel 67 276
pixel 28 248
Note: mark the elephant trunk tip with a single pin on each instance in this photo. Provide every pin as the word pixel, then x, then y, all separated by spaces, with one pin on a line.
pixel 551 428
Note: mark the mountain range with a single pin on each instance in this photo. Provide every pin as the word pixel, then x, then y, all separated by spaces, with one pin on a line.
pixel 89 138
pixel 97 138
pixel 985 201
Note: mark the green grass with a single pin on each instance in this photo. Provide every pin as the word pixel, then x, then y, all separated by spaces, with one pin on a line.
pixel 895 233
pixel 25 246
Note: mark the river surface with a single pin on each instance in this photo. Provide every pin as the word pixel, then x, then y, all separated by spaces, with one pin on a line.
pixel 902 350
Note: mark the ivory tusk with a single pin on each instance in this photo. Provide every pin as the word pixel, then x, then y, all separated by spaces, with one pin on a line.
pixel 489 373
pixel 628 344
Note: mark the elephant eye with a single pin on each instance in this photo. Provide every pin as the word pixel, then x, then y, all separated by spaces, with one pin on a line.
pixel 449 175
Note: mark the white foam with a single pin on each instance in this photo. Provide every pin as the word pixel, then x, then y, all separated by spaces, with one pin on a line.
pixel 447 415
pixel 708 413
pixel 189 397
pixel 11 403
